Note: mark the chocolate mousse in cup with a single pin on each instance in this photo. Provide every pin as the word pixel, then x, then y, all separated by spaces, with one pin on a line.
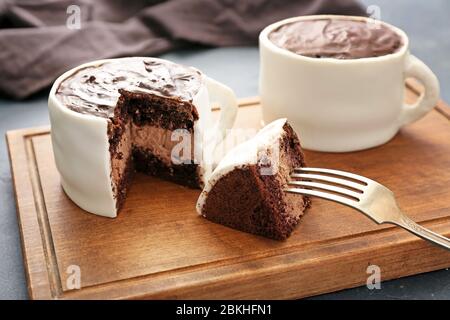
pixel 340 80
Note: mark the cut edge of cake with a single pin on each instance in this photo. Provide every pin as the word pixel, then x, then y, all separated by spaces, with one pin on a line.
pixel 149 119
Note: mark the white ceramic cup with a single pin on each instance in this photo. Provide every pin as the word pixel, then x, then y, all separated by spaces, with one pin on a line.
pixel 339 105
pixel 81 146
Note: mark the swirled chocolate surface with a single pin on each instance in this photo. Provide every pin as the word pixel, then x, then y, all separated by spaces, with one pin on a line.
pixel 337 38
pixel 95 89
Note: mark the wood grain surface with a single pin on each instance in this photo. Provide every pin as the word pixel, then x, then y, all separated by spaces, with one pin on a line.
pixel 159 248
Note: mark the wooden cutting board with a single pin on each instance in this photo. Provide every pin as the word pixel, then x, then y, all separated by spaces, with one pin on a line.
pixel 159 248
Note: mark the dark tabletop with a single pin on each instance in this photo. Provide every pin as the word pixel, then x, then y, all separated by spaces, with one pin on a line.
pixel 428 27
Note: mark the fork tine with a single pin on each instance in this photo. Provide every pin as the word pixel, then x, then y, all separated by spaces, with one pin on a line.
pixel 323 195
pixel 324 178
pixel 327 187
pixel 345 174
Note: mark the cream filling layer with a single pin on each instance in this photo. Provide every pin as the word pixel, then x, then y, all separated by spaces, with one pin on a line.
pixel 171 147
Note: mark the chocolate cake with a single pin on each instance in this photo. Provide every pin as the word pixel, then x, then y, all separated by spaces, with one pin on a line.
pixel 245 191
pixel 112 117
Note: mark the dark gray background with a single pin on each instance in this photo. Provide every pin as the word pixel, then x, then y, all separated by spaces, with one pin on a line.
pixel 428 26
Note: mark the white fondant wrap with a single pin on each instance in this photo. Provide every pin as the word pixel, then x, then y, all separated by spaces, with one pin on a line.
pixel 242 155
pixel 81 147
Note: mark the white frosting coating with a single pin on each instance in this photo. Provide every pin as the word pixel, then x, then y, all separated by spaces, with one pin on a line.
pixel 243 155
pixel 81 149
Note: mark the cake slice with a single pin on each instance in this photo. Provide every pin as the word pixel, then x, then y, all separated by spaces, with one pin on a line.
pixel 245 191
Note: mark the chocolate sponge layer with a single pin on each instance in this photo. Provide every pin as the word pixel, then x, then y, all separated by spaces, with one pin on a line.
pixel 249 201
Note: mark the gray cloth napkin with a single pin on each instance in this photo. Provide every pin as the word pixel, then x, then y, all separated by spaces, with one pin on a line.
pixel 39 40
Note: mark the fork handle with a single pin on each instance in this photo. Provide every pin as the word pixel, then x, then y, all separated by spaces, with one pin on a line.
pixel 409 225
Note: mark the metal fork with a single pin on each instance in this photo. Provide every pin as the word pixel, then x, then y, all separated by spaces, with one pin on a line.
pixel 365 195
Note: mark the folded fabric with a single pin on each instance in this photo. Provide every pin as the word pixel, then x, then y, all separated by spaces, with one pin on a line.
pixel 39 40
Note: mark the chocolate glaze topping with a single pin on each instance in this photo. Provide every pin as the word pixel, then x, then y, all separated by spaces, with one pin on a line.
pixel 337 38
pixel 95 90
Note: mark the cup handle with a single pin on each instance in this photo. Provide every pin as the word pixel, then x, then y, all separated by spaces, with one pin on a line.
pixel 415 68
pixel 225 97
